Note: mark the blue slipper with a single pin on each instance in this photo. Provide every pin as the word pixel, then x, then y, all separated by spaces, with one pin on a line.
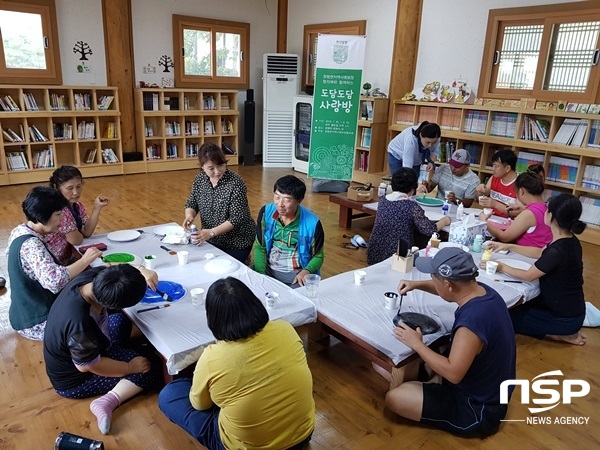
pixel 592 316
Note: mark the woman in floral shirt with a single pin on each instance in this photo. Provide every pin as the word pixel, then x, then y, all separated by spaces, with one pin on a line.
pixel 35 275
pixel 75 224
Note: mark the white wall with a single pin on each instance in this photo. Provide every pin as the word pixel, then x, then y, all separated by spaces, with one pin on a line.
pixel 381 21
pixel 81 20
pixel 453 36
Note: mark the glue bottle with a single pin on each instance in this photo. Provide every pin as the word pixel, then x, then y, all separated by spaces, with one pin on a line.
pixel 477 243
pixel 445 208
pixel 428 248
pixel 460 211
pixel 194 233
pixel 382 189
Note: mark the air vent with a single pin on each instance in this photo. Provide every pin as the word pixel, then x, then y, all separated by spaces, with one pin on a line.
pixel 282 64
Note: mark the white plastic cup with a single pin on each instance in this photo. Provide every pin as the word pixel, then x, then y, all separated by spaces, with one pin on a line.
pixel 182 257
pixel 360 277
pixel 150 262
pixel 197 296
pixel 209 256
pixel 488 211
pixel 271 299
pixel 311 282
pixel 491 267
pixel 390 300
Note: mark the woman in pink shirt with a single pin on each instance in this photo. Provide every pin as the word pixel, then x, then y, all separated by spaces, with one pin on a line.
pixel 528 228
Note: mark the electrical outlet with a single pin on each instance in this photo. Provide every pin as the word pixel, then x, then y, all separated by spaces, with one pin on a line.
pixel 149 69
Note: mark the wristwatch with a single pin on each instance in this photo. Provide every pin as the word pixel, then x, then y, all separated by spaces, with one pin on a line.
pixel 212 234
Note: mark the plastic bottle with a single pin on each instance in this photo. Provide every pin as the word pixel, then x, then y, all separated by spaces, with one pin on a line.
pixel 445 207
pixel 460 212
pixel 382 189
pixel 194 233
pixel 477 243
pixel 487 255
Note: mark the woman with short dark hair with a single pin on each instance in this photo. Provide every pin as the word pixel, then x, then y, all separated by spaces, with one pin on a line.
pixel 36 277
pixel 252 388
pixel 219 197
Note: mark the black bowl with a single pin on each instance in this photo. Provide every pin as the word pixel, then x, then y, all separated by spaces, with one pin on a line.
pixel 414 320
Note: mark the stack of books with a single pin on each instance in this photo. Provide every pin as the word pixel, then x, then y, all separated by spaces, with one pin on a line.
pixel 36 135
pixel 534 129
pixel 153 151
pixel 365 138
pixel 226 126
pixel 62 131
pixel 105 101
pixel 16 161
pixel 504 124
pixel 109 156
pixel 30 103
pixel 562 170
pixel 171 150
pixel 191 150
pixel 210 102
pixel 58 102
pixel 363 161
pixel 475 122
pixel 7 103
pixel 90 156
pixel 525 159
pixel 571 132
pixel 209 127
pixel 150 101
pixel 591 177
pixel 172 129
pixel 86 130
pixel 11 136
pixel 83 102
pixel 192 128
pixel 43 159
pixel 591 210
pixel 110 130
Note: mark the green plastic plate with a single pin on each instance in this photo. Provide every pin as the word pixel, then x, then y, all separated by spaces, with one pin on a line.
pixel 118 258
pixel 428 201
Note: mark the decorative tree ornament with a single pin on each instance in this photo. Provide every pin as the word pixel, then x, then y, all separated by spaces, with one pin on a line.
pixel 166 62
pixel 83 49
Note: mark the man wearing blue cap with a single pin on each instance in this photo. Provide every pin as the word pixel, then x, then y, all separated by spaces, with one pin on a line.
pixel 481 356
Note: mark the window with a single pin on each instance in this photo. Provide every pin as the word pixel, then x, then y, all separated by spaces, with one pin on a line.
pixel 546 52
pixel 311 37
pixel 210 53
pixel 29 51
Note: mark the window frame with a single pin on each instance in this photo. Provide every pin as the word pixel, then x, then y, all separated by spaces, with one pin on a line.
pixel 52 74
pixel 214 26
pixel 355 27
pixel 548 15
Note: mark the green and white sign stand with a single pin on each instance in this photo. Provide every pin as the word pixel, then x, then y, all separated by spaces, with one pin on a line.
pixel 336 103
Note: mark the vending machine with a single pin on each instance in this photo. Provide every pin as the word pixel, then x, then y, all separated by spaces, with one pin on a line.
pixel 302 119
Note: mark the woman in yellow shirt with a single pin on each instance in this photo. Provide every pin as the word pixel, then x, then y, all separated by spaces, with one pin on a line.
pixel 252 389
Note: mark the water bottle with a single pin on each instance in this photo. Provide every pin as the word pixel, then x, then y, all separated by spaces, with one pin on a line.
pixel 445 208
pixel 194 233
pixel 460 212
pixel 477 243
pixel 382 189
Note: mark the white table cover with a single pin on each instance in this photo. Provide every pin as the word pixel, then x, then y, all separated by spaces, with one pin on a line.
pixel 180 332
pixel 361 310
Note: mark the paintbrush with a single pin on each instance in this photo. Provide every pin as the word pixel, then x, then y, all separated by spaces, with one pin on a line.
pixel 508 281
pixel 153 308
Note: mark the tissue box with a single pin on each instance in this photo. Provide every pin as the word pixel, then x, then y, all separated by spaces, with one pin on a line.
pixel 360 196
pixel 464 231
pixel 401 264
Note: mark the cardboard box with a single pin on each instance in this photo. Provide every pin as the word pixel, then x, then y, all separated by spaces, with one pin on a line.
pixel 360 196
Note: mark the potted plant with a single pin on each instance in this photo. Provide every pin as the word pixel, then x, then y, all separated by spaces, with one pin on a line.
pixel 367 87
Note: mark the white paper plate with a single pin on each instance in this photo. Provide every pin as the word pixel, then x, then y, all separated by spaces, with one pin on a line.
pixel 453 244
pixel 123 235
pixel 516 263
pixel 221 265
pixel 168 229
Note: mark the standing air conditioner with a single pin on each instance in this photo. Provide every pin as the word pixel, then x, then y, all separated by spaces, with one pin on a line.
pixel 280 85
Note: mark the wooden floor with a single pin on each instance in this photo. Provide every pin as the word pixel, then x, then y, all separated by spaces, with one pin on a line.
pixel 349 395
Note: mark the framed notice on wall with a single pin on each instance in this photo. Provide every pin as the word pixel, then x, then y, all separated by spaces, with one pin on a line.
pixel 336 103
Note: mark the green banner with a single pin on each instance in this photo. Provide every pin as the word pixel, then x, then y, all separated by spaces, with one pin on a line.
pixel 336 105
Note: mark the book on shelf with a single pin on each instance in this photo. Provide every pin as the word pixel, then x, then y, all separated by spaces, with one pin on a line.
pixel 58 102
pixel 86 130
pixel 30 103
pixel 150 101
pixel 109 156
pixel 209 127
pixel 562 170
pixel 43 159
pixel 192 128
pixel 11 136
pixel 153 151
pixel 191 150
pixel 451 119
pixel 110 130
pixel 225 102
pixel 365 138
pixel 210 102
pixel 149 129
pixel 571 132
pixel 227 149
pixel 226 126
pixel 36 135
pixel 90 156
pixel 474 150
pixel 594 139
pixel 172 129
pixel 475 122
pixel 105 101
pixel 591 210
pixel 591 177
pixel 7 103
pixel 363 161
pixel 83 101
pixel 16 161
pixel 171 150
pixel 534 129
pixel 366 111
pixel 525 159
pixel 62 131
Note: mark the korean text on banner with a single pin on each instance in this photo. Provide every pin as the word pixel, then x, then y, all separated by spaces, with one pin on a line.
pixel 336 103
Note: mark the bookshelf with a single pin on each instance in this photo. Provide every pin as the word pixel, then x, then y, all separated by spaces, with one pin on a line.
pixel 370 149
pixel 40 131
pixel 172 124
pixel 566 143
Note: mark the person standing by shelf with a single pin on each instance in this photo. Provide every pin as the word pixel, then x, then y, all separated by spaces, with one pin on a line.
pixel 414 146
pixel 455 181
pixel 219 196
pixel 499 192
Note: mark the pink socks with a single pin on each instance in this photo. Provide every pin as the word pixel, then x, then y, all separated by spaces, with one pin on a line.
pixel 103 408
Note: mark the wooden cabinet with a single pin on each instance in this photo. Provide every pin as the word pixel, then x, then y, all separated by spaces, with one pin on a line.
pixel 535 135
pixel 172 124
pixel 44 127
pixel 370 149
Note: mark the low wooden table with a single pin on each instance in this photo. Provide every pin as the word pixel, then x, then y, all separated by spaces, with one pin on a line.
pixel 346 208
